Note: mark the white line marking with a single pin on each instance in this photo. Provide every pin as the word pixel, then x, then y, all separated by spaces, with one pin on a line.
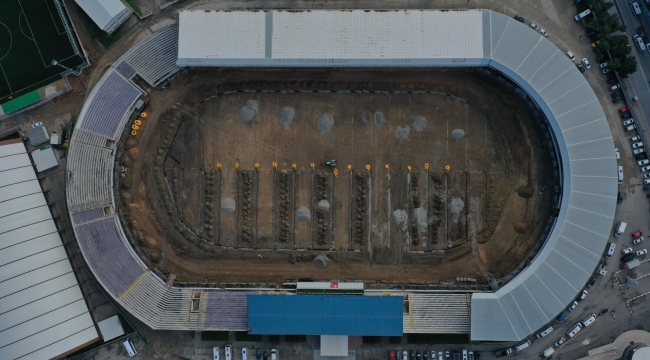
pixel 584 228
pixel 569 260
pixel 595 213
pixel 582 192
pixel 549 290
pixel 54 21
pixel 30 30
pixel 588 159
pixel 580 246
pixel 587 123
pixel 588 141
pixel 560 275
pixel 3 73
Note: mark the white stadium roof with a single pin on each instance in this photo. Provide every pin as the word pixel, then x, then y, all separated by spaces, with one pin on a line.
pixel 43 313
pixel 581 139
pixel 107 14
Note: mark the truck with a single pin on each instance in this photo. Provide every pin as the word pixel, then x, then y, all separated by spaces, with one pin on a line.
pixel 504 352
pixel 55 139
pixel 630 264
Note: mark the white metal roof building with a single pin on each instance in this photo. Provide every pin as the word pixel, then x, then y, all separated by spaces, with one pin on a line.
pixel 43 314
pixel 398 38
pixel 107 14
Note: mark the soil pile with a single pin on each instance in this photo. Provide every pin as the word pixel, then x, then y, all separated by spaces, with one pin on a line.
pixel 457 134
pixel 402 133
pixel 419 122
pixel 525 192
pixel 362 118
pixel 379 119
pixel 520 227
pixel 401 217
pixel 323 205
pixel 321 262
pixel 420 216
pixel 286 116
pixel 249 111
pixel 325 123
pixel 303 213
pixel 227 205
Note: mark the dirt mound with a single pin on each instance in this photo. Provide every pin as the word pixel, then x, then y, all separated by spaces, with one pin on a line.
pixel 457 134
pixel 520 227
pixel 525 192
pixel 420 216
pixel 286 116
pixel 323 205
pixel 249 111
pixel 321 262
pixel 362 118
pixel 303 213
pixel 325 122
pixel 419 122
pixel 402 133
pixel 379 119
pixel 227 205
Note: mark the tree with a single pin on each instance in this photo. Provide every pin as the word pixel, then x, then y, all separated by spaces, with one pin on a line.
pixel 628 66
pixel 619 47
pixel 614 64
pixel 602 46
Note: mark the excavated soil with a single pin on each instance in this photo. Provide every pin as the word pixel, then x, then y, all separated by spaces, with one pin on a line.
pixel 212 191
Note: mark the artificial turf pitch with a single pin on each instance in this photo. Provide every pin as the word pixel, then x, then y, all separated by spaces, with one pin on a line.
pixel 32 34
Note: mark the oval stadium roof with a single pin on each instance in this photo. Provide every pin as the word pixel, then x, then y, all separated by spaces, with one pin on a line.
pixel 396 38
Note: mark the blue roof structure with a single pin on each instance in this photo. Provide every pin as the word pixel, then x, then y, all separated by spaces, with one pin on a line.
pixel 325 315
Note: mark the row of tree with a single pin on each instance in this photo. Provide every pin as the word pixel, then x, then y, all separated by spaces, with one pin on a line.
pixel 604 24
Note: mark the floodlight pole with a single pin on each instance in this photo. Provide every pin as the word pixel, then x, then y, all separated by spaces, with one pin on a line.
pixel 75 73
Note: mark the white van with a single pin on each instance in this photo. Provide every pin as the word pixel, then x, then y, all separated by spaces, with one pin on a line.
pixel 546 353
pixel 522 345
pixel 544 332
pixel 620 228
pixel 130 349
pixel 620 174
pixel 636 10
pixel 244 353
pixel 610 250
pixel 571 333
pixel 570 55
pixel 583 14
pixel 590 320
pixel 215 353
pixel 639 43
pixel 228 350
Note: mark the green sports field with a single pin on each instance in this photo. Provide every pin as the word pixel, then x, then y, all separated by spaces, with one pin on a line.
pixel 32 34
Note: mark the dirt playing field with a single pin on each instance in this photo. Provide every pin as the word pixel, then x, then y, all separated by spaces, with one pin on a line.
pixel 438 175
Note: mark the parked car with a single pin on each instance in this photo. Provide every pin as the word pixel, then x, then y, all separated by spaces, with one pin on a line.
pixel 645 168
pixel 573 306
pixel 628 122
pixel 37 125
pixel 627 258
pixel 571 333
pixel 329 163
pixel 604 71
pixel 405 355
pixel 635 138
pixel 274 354
pixel 543 32
pixel 586 63
pixel 533 26
pixel 616 94
pixel 581 68
pixel 391 354
pixel 600 58
pixel 618 154
pixel 630 127
pixel 620 197
pixel 637 241
pixel 258 354
pixel 614 87
pixel 643 162
pixel 562 316
pixel 612 81
pixel 519 18
pixel 626 251
pixel 590 33
pixel 637 233
pixel 637 145
pixel 591 282
pixel 641 252
pixel 646 187
pixel 603 65
pixel 583 295
pixel 626 115
pixel 603 312
pixel 623 110
pixel 639 152
pixel 559 342
pixel 617 100
pixel 646 181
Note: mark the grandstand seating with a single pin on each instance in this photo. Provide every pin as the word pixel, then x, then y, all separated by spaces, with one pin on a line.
pixel 437 313
pixel 89 138
pixel 226 310
pixel 108 105
pixel 114 263
pixel 125 69
pixel 154 58
pixel 89 177
pixel 87 216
